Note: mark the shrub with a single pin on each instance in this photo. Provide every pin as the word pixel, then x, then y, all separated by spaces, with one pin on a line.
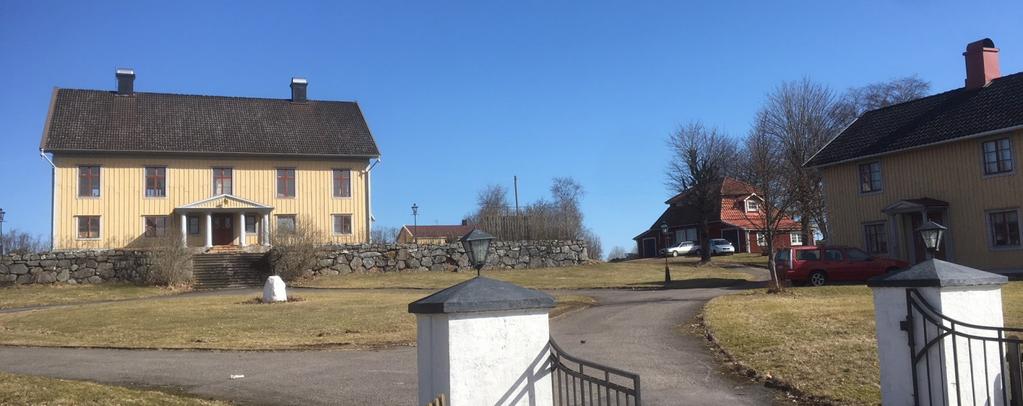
pixel 170 262
pixel 294 252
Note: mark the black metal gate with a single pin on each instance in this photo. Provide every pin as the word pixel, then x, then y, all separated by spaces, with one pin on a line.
pixel 578 382
pixel 934 338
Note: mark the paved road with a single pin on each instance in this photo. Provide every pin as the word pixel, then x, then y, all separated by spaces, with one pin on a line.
pixel 632 330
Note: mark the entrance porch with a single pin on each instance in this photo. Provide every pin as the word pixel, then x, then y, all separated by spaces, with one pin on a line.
pixel 224 220
pixel 904 217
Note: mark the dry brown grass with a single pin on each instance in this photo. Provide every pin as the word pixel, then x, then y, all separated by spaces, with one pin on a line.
pixel 34 390
pixel 324 319
pixel 820 340
pixel 38 295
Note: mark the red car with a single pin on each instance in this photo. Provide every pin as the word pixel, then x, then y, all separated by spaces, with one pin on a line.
pixel 818 265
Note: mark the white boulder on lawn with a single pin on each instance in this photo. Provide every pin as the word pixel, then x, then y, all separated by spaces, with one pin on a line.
pixel 274 290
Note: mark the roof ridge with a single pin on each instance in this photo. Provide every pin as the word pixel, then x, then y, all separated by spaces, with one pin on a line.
pixel 112 92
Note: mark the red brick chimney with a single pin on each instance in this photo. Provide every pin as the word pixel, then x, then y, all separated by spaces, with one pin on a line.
pixel 981 63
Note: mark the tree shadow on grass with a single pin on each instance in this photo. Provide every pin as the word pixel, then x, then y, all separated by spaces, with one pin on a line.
pixel 700 283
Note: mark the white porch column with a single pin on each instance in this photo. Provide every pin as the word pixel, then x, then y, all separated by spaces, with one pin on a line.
pixel 265 229
pixel 209 230
pixel 184 230
pixel 956 377
pixel 241 229
pixel 492 351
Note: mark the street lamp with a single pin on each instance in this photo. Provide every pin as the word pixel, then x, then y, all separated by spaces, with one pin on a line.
pixel 3 248
pixel 415 223
pixel 477 246
pixel 667 271
pixel 931 233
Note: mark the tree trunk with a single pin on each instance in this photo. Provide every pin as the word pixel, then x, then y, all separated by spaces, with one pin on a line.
pixel 705 242
pixel 804 222
pixel 775 284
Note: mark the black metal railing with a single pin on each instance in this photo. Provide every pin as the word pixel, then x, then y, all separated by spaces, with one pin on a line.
pixel 945 352
pixel 578 382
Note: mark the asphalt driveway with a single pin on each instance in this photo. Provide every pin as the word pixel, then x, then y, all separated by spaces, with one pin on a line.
pixel 632 330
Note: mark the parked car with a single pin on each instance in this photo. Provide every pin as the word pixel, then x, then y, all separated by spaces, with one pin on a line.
pixel 683 248
pixel 721 246
pixel 819 265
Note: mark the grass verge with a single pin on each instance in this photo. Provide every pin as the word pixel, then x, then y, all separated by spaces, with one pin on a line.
pixel 629 274
pixel 819 341
pixel 34 390
pixel 324 319
pixel 58 294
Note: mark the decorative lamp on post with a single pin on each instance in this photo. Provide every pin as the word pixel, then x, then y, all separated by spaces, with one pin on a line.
pixel 667 271
pixel 415 223
pixel 3 248
pixel 477 246
pixel 932 233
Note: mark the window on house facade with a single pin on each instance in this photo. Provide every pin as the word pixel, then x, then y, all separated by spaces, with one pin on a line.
pixel 88 181
pixel 342 183
pixel 250 224
pixel 875 238
pixel 286 223
pixel 1004 227
pixel 752 205
pixel 286 182
pixel 342 224
pixel 795 238
pixel 870 177
pixel 193 225
pixel 156 181
pixel 222 181
pixel 156 226
pixel 88 227
pixel 761 239
pixel 997 156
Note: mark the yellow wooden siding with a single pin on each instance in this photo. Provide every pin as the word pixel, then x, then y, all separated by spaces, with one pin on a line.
pixel 951 172
pixel 122 204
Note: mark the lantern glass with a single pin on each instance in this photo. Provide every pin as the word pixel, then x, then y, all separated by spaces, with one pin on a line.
pixel 477 246
pixel 664 228
pixel 932 233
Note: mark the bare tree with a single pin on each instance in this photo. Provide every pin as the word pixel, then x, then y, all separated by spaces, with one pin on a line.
pixel 594 248
pixel 700 159
pixel 859 100
pixel 617 253
pixel 568 194
pixel 18 242
pixel 760 168
pixel 384 235
pixel 492 201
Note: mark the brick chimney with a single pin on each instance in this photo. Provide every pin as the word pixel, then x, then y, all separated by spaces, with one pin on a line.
pixel 298 90
pixel 125 81
pixel 981 63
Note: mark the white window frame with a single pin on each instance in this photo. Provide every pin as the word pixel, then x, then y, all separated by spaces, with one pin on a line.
pixel 990 238
pixel 167 229
pixel 761 239
pixel 99 228
pixel 277 220
pixel 277 184
pixel 884 228
pixel 795 238
pixel 880 174
pixel 755 207
pixel 166 182
pixel 351 223
pixel 78 181
pixel 983 159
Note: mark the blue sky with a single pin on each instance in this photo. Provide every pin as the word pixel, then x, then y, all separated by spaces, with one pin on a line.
pixel 463 94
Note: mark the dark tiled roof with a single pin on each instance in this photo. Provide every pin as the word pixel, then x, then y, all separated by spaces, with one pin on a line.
pixel 439 231
pixel 941 117
pixel 92 120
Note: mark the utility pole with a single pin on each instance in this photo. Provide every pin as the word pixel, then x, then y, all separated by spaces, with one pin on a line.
pixel 516 195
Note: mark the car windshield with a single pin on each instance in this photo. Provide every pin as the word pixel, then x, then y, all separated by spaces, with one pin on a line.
pixel 855 254
pixel 720 242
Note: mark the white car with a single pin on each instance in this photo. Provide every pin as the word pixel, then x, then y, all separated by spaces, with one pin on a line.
pixel 721 246
pixel 683 248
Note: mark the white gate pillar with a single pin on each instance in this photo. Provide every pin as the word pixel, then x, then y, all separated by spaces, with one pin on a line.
pixel 960 293
pixel 484 342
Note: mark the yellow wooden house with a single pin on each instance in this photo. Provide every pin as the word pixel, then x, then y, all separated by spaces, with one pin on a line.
pixel 130 168
pixel 950 158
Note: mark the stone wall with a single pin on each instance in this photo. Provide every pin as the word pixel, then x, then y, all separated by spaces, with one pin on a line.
pixel 73 267
pixel 410 257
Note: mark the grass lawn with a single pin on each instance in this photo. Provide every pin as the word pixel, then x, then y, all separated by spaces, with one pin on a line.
pixel 33 390
pixel 630 274
pixel 35 295
pixel 324 319
pixel 821 340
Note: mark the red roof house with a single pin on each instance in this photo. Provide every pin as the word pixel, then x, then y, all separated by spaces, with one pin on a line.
pixel 737 219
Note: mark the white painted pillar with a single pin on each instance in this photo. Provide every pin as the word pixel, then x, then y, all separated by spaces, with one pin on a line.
pixel 184 230
pixel 960 293
pixel 209 230
pixel 241 229
pixel 484 342
pixel 265 229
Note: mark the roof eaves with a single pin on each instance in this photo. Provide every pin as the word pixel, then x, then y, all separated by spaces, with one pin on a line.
pixel 253 154
pixel 49 119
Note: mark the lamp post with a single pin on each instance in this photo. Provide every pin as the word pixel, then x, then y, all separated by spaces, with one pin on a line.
pixel 3 247
pixel 415 224
pixel 477 246
pixel 932 233
pixel 667 271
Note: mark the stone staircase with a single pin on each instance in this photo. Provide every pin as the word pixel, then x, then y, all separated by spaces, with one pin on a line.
pixel 229 270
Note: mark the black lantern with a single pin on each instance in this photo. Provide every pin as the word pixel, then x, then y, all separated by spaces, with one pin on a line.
pixel 3 248
pixel 477 246
pixel 667 271
pixel 932 233
pixel 415 223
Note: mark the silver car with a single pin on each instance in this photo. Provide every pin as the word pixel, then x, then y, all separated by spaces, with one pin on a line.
pixel 683 248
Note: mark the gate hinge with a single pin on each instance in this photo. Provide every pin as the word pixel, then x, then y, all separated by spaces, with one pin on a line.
pixel 905 325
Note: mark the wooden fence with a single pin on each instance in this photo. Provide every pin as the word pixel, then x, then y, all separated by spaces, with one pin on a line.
pixel 512 228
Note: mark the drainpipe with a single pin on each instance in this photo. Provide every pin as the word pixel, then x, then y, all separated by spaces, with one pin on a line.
pixel 369 201
pixel 53 197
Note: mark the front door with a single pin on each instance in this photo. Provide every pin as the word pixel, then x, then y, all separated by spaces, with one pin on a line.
pixel 732 236
pixel 223 229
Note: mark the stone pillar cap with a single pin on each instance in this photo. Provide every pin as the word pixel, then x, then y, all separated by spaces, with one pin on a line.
pixel 937 273
pixel 481 294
